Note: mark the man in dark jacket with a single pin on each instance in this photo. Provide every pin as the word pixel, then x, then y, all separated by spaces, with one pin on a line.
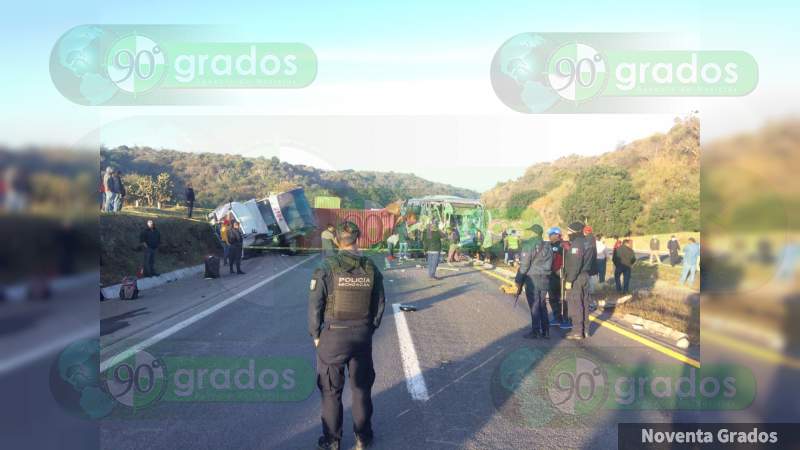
pixel 655 250
pixel 119 188
pixel 189 199
pixel 558 308
pixel 150 239
pixel 577 265
pixel 432 245
pixel 345 306
pixel 236 240
pixel 673 246
pixel 535 265
pixel 624 260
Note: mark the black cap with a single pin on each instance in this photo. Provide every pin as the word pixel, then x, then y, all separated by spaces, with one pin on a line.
pixel 576 227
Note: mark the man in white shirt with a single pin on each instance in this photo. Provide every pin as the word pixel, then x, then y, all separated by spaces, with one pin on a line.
pixel 602 251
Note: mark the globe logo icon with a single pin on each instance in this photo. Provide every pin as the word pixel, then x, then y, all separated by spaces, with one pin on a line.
pixel 519 73
pixel 75 381
pixel 535 73
pixel 78 68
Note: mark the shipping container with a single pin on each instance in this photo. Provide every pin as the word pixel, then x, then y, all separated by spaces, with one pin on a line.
pixel 375 225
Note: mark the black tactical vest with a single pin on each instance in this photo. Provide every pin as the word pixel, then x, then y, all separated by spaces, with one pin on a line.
pixel 351 291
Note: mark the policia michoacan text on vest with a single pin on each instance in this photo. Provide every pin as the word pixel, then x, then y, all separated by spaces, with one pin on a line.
pixel 351 295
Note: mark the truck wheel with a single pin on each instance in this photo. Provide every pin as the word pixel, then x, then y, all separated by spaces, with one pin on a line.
pixel 290 247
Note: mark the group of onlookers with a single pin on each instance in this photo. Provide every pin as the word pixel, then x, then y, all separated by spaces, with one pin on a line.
pixel 112 192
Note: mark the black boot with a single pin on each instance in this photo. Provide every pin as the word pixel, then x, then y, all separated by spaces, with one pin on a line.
pixel 325 444
pixel 363 442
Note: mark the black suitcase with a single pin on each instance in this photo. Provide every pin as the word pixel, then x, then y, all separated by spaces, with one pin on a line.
pixel 212 267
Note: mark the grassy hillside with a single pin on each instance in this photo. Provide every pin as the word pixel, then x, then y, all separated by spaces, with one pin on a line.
pixel 663 168
pixel 219 177
pixel 184 243
pixel 750 180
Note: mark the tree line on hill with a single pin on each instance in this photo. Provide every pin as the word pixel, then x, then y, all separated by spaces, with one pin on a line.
pixel 218 178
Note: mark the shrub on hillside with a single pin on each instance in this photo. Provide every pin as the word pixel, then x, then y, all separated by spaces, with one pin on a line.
pixel 605 198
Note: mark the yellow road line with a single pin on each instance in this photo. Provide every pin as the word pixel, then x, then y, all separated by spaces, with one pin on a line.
pixel 630 335
pixel 752 350
pixel 647 342
pixel 499 277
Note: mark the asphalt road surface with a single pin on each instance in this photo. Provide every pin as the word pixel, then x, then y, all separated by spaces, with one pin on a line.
pixel 455 373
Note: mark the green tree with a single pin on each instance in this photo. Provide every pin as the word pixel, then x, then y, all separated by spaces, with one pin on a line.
pixel 605 198
pixel 164 188
pixel 519 202
pixel 139 187
pixel 677 212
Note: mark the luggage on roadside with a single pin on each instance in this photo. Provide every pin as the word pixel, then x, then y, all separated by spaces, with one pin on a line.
pixel 212 266
pixel 129 289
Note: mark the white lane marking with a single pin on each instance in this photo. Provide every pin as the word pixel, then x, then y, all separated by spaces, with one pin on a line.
pixel 414 380
pixel 125 354
pixel 52 346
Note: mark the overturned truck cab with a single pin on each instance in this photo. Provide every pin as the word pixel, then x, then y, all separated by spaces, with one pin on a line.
pixel 274 222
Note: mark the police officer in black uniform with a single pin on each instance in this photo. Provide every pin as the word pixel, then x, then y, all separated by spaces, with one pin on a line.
pixel 345 307
pixel 578 261
pixel 535 265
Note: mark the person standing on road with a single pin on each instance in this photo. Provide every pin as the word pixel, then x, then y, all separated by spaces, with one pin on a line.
pixel 150 239
pixel 402 232
pixel 591 247
pixel 512 247
pixel 236 241
pixel 223 237
pixel 691 256
pixel 480 251
pixel 601 259
pixel 328 240
pixel 452 251
pixel 577 265
pixel 504 240
pixel 535 265
pixel 625 258
pixel 189 200
pixel 655 250
pixel 119 186
pixel 345 307
pixel 558 308
pixel 674 247
pixel 432 245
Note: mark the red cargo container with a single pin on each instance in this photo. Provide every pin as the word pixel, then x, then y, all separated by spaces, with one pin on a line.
pixel 375 225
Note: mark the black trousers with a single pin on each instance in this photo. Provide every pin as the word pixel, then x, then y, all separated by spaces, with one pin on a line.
pixel 578 301
pixel 190 205
pixel 601 269
pixel 340 348
pixel 235 257
pixel 555 298
pixel 149 261
pixel 535 293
